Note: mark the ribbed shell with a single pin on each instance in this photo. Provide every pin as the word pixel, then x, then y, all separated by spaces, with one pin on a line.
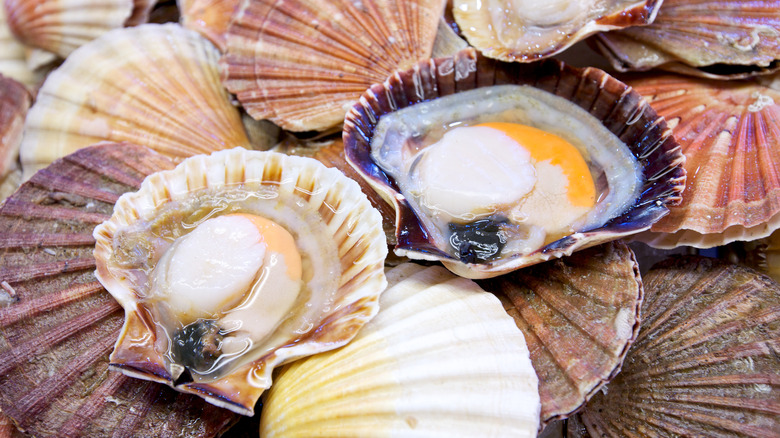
pixel 57 323
pixel 620 109
pixel 13 61
pixel 579 315
pixel 524 31
pixel 153 85
pixel 705 362
pixel 714 37
pixel 730 135
pixel 336 309
pixel 303 63
pixel 210 18
pixel 442 358
pixel 14 103
pixel 62 26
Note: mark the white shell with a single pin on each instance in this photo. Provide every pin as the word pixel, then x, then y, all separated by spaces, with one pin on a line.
pixel 442 358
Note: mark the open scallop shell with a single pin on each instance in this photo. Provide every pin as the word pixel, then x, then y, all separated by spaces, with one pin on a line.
pixel 579 315
pixel 442 358
pixel 57 323
pixel 729 132
pixel 705 362
pixel 711 38
pixel 62 26
pixel 620 109
pixel 153 85
pixel 14 103
pixel 324 202
pixel 303 63
pixel 527 30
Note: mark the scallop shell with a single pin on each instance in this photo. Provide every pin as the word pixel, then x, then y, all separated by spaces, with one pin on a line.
pixel 61 26
pixel 579 315
pixel 58 325
pixel 705 362
pixel 153 85
pixel 442 358
pixel 729 133
pixel 14 103
pixel 210 18
pixel 622 111
pixel 13 61
pixel 527 30
pixel 141 11
pixel 301 184
pixel 712 38
pixel 303 63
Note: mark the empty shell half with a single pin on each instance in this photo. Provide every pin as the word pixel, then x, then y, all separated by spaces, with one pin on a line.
pixel 442 358
pixel 234 263
pixel 493 166
pixel 705 362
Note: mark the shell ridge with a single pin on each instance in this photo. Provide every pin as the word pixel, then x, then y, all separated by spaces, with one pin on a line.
pixel 29 308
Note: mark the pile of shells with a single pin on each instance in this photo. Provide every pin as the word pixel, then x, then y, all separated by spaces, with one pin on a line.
pixel 569 331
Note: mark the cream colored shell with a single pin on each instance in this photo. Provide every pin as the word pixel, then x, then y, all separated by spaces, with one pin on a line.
pixel 335 228
pixel 442 358
pixel 152 85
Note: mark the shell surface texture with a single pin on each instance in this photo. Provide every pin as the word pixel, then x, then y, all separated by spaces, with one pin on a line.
pixel 402 139
pixel 152 85
pixel 211 18
pixel 234 263
pixel 579 315
pixel 442 358
pixel 302 64
pixel 13 59
pixel 710 38
pixel 14 102
pixel 62 26
pixel 730 134
pixel 527 30
pixel 705 361
pixel 57 323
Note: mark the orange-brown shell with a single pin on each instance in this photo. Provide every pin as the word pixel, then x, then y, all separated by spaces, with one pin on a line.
pixel 730 135
pixel 57 323
pixel 579 315
pixel 303 63
pixel 705 362
pixel 211 18
pixel 712 38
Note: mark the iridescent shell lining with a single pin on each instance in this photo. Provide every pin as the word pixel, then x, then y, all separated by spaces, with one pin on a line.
pixel 730 134
pixel 579 315
pixel 302 64
pixel 621 109
pixel 58 325
pixel 705 362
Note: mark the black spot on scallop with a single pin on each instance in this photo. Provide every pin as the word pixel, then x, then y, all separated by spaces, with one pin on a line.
pixel 197 346
pixel 478 241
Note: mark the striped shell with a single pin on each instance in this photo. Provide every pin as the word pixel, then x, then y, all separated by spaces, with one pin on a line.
pixel 442 358
pixel 14 103
pixel 153 85
pixel 57 323
pixel 303 63
pixel 705 362
pixel 579 315
pixel 730 135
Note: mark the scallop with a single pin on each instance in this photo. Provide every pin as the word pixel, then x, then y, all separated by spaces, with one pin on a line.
pixel 234 263
pixel 493 166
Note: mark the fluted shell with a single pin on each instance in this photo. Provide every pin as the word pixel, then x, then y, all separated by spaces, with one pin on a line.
pixel 711 38
pixel 579 315
pixel 303 63
pixel 210 18
pixel 729 132
pixel 705 362
pixel 153 85
pixel 13 61
pixel 442 358
pixel 336 231
pixel 527 30
pixel 622 111
pixel 62 26
pixel 14 103
pixel 57 323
